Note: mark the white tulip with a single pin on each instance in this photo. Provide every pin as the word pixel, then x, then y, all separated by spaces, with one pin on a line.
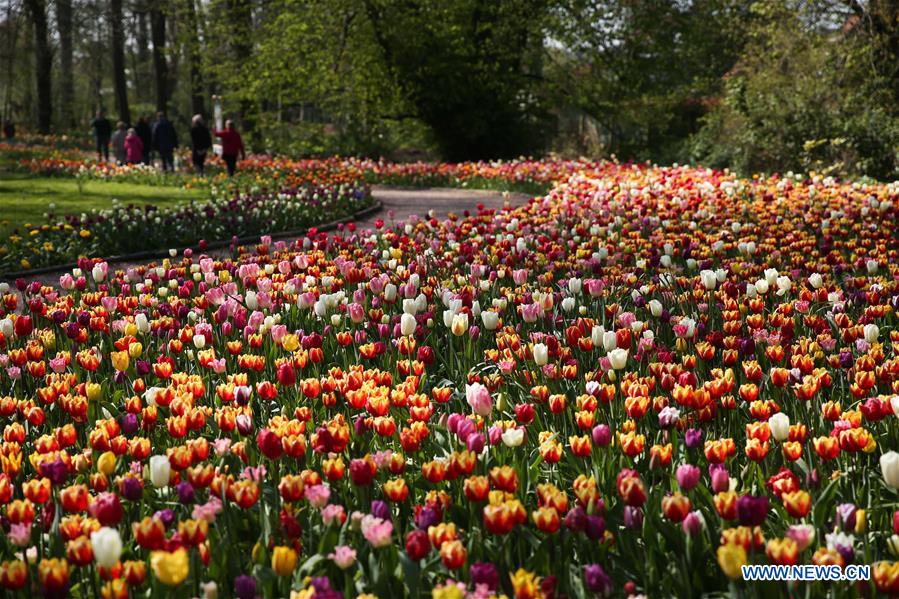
pixel 784 284
pixel 609 341
pixel 107 546
pixel 655 308
pixel 761 286
pixel 390 292
pixel 709 280
pixel 574 286
pixel 199 341
pixel 210 590
pixel 568 304
pixel 816 281
pixel 889 466
pixel 251 301
pixel 513 437
pixel 618 358
pixel 160 471
pixel 872 332
pixel 98 274
pixel 780 426
pixel 541 354
pixel 490 320
pixel 407 325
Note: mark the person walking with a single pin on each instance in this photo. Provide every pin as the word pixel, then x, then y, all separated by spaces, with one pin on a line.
pixel 232 146
pixel 134 147
pixel 9 131
pixel 102 132
pixel 118 143
pixel 200 141
pixel 145 133
pixel 165 140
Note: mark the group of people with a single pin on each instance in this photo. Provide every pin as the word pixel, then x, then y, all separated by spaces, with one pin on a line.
pixel 135 145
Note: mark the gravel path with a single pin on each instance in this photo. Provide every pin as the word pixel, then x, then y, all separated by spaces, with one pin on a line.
pixel 398 205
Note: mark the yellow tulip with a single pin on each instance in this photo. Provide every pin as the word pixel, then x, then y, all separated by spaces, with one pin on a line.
pixel 170 567
pixel 290 342
pixel 284 560
pixel 860 522
pixel 526 584
pixel 135 349
pixel 106 463
pixel 94 391
pixel 120 360
pixel 732 558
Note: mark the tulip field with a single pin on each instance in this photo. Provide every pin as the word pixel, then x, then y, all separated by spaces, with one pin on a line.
pixel 634 384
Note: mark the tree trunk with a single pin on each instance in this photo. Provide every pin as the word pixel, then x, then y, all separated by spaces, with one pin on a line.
pixel 160 66
pixel 118 61
pixel 142 71
pixel 66 81
pixel 196 79
pixel 12 41
pixel 43 64
pixel 240 13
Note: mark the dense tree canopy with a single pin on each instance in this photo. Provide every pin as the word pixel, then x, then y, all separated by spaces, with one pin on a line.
pixel 768 84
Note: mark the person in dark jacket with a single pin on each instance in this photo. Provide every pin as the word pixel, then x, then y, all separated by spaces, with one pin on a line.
pixel 200 141
pixel 102 132
pixel 9 131
pixel 145 133
pixel 165 140
pixel 232 146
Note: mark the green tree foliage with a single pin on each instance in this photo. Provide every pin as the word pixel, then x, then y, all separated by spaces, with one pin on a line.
pixel 645 70
pixel 471 70
pixel 808 93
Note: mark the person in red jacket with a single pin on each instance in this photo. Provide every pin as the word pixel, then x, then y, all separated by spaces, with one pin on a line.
pixel 232 146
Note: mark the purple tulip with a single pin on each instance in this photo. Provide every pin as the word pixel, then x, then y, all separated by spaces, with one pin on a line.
pixel 427 517
pixel 595 527
pixel 846 516
pixel 633 517
pixel 380 509
pixel 596 580
pixel 476 442
pixel 484 573
pixel 751 510
pixel 576 519
pixel 245 587
pixel 693 438
pixel 185 492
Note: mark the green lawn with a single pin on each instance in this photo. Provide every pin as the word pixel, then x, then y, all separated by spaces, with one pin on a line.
pixel 25 199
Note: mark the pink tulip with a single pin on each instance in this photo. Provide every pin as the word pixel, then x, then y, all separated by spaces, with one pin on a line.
pixel 478 397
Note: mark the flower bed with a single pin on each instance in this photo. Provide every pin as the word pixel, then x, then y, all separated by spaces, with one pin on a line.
pixel 230 213
pixel 635 384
